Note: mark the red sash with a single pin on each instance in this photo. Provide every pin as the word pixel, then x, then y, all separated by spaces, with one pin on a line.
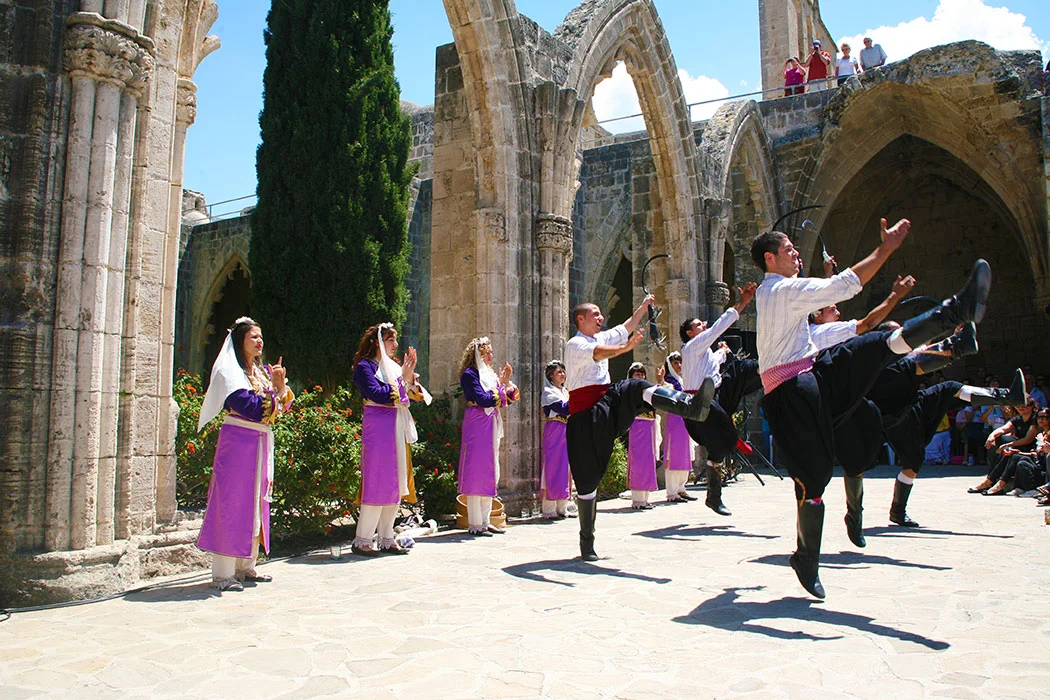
pixel 584 398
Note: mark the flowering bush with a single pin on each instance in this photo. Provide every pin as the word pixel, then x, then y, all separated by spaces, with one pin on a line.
pixel 193 451
pixel 317 462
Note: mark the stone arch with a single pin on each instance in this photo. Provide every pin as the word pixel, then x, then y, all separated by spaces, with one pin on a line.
pixel 738 159
pixel 854 135
pixel 956 216
pixel 491 80
pixel 601 34
pixel 218 278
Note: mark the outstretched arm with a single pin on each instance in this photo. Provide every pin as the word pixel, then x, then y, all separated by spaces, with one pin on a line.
pixel 877 315
pixel 892 238
pixel 641 312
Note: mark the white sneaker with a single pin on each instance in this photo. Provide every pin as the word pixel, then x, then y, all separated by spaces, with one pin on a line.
pixel 1014 492
pixel 1028 494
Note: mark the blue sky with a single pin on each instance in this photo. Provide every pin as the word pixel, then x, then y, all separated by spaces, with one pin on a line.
pixel 712 63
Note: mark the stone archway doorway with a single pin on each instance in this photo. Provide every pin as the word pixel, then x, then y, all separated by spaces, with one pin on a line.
pixel 230 303
pixel 956 216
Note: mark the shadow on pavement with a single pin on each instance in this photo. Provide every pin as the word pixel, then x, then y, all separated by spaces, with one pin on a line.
pixel 176 593
pixel 688 532
pixel 529 571
pixel 724 612
pixel 898 531
pixel 851 560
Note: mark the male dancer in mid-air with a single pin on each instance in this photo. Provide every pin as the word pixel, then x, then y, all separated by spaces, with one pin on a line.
pixel 599 410
pixel 733 379
pixel 810 395
pixel 910 416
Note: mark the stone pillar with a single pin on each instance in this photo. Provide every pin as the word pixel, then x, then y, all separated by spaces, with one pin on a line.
pixel 717 214
pixel 185 115
pixel 104 58
pixel 554 243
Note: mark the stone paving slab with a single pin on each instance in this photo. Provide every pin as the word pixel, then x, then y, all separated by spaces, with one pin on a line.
pixel 685 604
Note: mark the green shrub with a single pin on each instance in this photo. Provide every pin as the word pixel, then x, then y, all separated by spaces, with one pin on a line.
pixel 317 462
pixel 435 457
pixel 615 480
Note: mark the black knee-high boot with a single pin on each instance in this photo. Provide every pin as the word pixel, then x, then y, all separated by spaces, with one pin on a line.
pixel 940 355
pixel 691 407
pixel 855 509
pixel 898 514
pixel 967 305
pixel 806 560
pixel 588 510
pixel 714 492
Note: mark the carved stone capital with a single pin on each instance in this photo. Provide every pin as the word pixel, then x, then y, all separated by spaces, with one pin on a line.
pixel 554 233
pixel 678 289
pixel 186 102
pixel 490 222
pixel 108 51
pixel 717 294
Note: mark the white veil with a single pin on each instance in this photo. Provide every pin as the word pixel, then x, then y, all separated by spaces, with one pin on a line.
pixel 227 376
pixel 552 393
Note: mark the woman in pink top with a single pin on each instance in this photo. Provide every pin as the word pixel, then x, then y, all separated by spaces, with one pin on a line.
pixel 794 77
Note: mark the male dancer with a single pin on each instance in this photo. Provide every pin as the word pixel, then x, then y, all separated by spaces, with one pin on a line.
pixel 733 379
pixel 909 416
pixel 809 394
pixel 599 410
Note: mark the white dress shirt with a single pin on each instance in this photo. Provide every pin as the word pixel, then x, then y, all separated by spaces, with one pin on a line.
pixel 580 368
pixel 784 304
pixel 699 360
pixel 827 334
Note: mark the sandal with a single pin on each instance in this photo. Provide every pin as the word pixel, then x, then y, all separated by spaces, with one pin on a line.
pixel 978 490
pixel 227 584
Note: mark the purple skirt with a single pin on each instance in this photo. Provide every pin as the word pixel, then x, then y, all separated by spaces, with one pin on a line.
pixel 379 485
pixel 677 455
pixel 477 454
pixel 555 462
pixel 641 456
pixel 229 521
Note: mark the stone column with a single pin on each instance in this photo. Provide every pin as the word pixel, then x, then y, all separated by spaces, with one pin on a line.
pixel 185 115
pixel 554 243
pixel 717 214
pixel 104 58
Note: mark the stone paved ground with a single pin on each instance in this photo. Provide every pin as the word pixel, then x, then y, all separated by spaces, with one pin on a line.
pixel 686 604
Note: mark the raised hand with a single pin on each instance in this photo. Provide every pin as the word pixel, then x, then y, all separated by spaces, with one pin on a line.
pixel 661 372
pixel 894 237
pixel 505 373
pixel 634 339
pixel 903 285
pixel 278 375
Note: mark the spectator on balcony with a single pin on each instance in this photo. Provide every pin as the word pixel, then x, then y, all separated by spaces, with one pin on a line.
pixel 818 63
pixel 794 77
pixel 872 55
pixel 846 67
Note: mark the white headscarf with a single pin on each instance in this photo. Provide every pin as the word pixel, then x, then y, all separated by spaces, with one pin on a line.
pixel 551 392
pixel 227 376
pixel 670 369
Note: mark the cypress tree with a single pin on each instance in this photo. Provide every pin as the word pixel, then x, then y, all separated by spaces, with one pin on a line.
pixel 329 250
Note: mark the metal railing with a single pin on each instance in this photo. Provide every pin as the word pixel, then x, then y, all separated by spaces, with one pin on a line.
pixel 222 210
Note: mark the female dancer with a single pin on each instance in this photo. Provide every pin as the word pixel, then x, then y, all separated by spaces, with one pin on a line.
pixel 555 478
pixel 643 444
pixel 387 431
pixel 678 448
pixel 485 392
pixel 254 395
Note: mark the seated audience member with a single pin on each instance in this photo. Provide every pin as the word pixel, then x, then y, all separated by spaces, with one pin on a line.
pixel 1036 390
pixel 1014 437
pixel 938 451
pixel 1029 467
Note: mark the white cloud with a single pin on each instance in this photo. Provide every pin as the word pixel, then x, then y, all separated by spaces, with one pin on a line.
pixel 953 20
pixel 616 97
